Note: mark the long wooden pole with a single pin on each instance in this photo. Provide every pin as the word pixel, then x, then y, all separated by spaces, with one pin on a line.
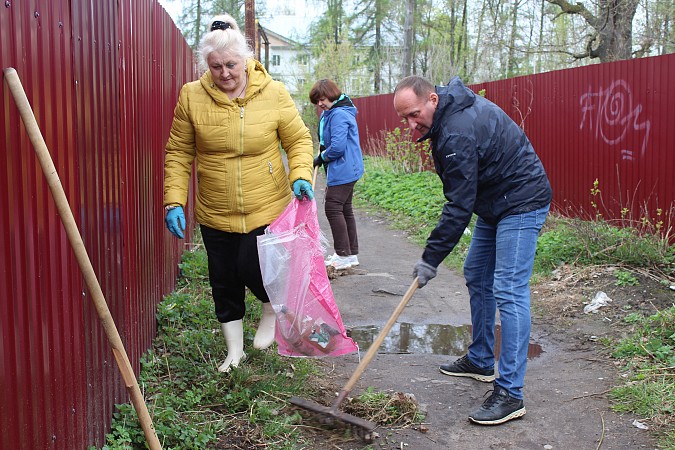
pixel 42 152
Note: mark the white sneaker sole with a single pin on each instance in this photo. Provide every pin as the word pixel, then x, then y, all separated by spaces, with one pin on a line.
pixel 514 415
pixel 475 376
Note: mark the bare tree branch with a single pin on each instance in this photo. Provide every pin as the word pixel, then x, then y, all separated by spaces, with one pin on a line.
pixel 578 8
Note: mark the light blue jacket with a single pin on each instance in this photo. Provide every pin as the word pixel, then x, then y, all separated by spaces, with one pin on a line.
pixel 339 135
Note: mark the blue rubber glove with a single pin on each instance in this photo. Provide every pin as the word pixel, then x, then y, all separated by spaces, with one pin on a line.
pixel 302 188
pixel 424 272
pixel 175 221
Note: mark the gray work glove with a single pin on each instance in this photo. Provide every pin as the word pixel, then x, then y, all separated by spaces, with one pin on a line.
pixel 424 272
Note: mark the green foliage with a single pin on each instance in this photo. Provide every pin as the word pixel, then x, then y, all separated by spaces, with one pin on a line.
pixel 557 246
pixel 416 195
pixel 191 403
pixel 602 240
pixel 192 265
pixel 626 278
pixel 401 153
pixel 415 200
pixel 654 338
pixel 645 399
pixel 595 242
pixel 648 357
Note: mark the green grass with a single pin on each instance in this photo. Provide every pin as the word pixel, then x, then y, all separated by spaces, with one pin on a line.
pixel 413 200
pixel 648 361
pixel 191 403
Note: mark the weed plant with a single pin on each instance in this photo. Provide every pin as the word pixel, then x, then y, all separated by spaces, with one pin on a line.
pixel 597 242
pixel 402 154
pixel 633 239
pixel 648 359
pixel 397 410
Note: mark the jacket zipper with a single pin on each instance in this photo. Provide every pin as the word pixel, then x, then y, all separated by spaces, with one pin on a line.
pixel 240 194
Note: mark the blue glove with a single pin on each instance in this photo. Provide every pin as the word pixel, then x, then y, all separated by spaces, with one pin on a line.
pixel 424 272
pixel 175 221
pixel 302 188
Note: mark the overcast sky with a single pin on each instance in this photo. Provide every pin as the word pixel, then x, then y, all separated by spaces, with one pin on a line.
pixel 289 18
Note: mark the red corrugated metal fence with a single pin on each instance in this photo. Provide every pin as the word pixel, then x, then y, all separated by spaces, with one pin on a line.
pixel 612 122
pixel 103 78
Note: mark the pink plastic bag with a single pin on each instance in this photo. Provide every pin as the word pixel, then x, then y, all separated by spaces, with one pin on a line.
pixel 295 278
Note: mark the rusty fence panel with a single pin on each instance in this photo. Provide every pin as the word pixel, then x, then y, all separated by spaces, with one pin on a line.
pixel 103 78
pixel 611 122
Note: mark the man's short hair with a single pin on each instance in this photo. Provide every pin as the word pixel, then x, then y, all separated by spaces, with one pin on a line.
pixel 419 85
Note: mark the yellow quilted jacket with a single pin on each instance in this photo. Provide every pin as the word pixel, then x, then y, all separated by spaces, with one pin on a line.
pixel 242 181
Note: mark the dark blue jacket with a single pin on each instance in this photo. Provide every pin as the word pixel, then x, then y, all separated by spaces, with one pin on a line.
pixel 340 136
pixel 486 163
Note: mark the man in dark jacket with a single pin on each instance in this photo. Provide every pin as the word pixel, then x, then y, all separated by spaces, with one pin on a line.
pixel 488 167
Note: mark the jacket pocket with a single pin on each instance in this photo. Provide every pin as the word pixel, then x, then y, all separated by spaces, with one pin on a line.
pixel 269 168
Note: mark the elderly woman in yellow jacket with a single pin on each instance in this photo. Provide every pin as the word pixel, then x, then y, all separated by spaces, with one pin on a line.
pixel 232 121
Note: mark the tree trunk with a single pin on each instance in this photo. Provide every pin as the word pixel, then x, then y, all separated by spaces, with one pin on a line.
pixel 464 39
pixel 249 27
pixel 408 37
pixel 377 67
pixel 616 32
pixel 541 37
pixel 198 23
pixel 512 64
pixel 479 36
pixel 453 27
pixel 613 28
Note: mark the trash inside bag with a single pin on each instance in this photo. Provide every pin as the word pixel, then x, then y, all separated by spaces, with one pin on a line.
pixel 291 261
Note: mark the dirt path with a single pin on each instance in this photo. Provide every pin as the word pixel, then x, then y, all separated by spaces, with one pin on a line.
pixel 565 386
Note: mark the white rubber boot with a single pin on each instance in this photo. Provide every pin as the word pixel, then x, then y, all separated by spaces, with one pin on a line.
pixel 264 337
pixel 234 339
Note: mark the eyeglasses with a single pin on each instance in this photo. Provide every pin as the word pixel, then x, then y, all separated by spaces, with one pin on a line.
pixel 220 25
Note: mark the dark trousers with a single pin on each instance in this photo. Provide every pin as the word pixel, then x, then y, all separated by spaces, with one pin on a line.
pixel 340 216
pixel 233 266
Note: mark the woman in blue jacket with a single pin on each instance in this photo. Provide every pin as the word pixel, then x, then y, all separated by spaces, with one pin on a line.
pixel 340 152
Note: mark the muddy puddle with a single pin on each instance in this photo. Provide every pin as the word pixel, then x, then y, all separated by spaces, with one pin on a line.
pixel 434 339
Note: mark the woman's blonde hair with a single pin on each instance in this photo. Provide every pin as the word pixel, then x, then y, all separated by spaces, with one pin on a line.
pixel 223 35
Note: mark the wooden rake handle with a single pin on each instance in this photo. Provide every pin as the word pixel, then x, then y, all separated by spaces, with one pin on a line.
pixel 42 152
pixel 375 346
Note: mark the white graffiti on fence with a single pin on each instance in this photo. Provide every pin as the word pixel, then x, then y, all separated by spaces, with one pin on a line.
pixel 611 115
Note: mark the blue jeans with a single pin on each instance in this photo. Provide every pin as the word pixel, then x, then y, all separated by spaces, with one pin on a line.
pixel 497 270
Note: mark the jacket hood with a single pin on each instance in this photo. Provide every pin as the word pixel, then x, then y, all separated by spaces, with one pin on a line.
pixel 343 102
pixel 451 98
pixel 258 78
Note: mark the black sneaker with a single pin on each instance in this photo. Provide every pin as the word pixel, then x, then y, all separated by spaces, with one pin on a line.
pixel 500 407
pixel 465 368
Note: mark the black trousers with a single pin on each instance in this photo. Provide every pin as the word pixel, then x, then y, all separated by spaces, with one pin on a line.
pixel 233 267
